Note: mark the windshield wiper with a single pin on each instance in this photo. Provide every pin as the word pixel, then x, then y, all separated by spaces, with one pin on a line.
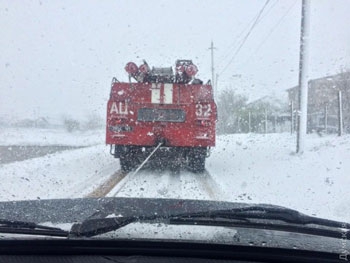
pixel 258 217
pixel 30 228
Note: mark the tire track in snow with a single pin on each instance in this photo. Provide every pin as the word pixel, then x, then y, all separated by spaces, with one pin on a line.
pixel 210 186
pixel 146 183
pixel 106 187
pixel 163 183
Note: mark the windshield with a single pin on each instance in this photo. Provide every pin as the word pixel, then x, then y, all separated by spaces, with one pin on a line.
pixel 227 101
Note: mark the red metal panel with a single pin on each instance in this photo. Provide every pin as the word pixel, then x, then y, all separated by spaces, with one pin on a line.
pixel 185 94
pixel 126 99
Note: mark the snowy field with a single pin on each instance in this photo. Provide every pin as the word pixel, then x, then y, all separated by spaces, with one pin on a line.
pixel 250 168
pixel 44 137
pixel 265 169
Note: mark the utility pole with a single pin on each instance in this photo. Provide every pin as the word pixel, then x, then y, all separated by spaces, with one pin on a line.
pixel 212 67
pixel 303 71
pixel 249 122
pixel 291 117
pixel 265 120
pixel 340 114
pixel 326 118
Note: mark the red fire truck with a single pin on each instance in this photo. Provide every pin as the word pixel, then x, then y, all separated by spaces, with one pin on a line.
pixel 174 112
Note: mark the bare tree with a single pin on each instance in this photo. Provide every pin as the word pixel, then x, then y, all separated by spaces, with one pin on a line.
pixel 230 109
pixel 94 121
pixel 71 124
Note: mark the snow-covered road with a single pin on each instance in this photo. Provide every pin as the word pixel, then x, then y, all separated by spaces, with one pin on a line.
pixel 251 168
pixel 167 184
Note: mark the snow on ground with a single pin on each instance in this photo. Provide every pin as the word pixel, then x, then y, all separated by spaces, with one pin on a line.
pixel 148 183
pixel 59 175
pixel 44 137
pixel 73 173
pixel 252 168
pixel 259 168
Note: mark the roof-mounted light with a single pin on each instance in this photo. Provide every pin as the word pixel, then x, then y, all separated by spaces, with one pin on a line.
pixel 131 68
pixel 144 68
pixel 191 70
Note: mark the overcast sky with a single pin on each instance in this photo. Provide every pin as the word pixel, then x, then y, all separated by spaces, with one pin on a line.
pixel 58 57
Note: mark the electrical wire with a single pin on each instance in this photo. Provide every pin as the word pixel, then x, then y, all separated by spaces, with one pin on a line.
pixel 232 45
pixel 246 36
pixel 269 10
pixel 274 27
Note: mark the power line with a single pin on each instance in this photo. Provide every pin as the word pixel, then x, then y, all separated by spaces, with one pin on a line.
pixel 232 45
pixel 246 36
pixel 274 27
pixel 269 10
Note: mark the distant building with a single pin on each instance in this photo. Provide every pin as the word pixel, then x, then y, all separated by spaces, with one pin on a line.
pixel 323 102
pixel 269 114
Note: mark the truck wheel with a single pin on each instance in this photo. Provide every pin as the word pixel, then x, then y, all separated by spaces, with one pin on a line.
pixel 196 160
pixel 126 163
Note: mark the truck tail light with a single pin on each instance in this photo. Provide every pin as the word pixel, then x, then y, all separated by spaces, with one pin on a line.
pixel 116 121
pixel 203 123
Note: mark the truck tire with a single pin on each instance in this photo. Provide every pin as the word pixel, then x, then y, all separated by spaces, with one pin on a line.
pixel 196 160
pixel 126 163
